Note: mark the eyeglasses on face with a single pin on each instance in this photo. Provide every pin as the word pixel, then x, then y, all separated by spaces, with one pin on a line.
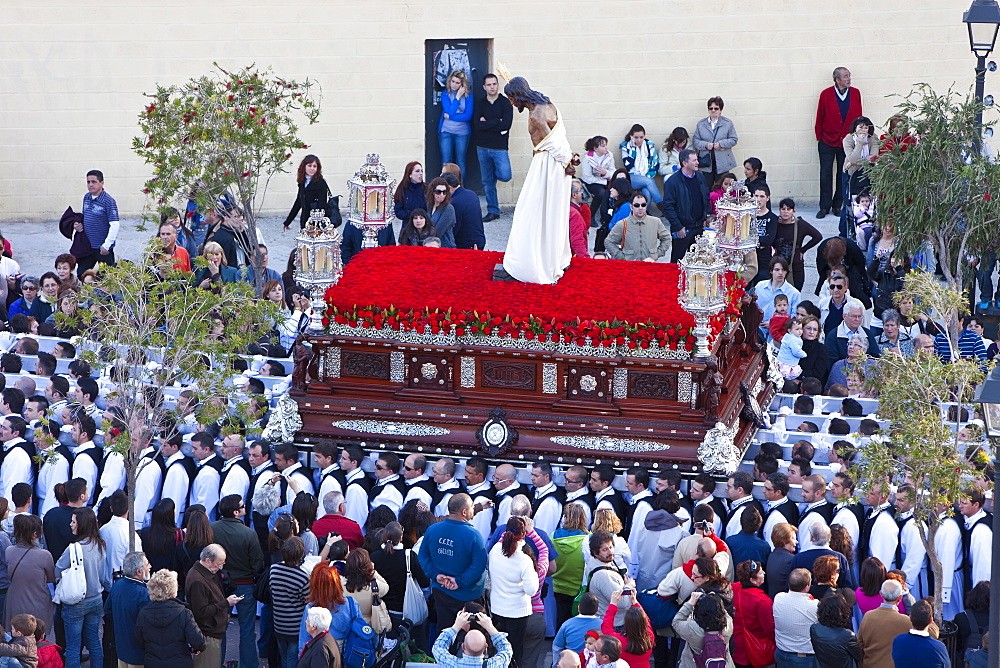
pixel 715 108
pixel 836 287
pixel 408 468
pixel 438 191
pixel 639 205
pixel 379 467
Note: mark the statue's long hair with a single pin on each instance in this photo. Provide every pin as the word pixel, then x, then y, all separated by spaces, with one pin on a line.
pixel 519 89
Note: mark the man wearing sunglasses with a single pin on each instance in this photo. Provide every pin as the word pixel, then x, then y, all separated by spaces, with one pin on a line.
pixel 832 307
pixel 640 236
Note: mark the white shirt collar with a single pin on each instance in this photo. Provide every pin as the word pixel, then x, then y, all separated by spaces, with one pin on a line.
pixel 83 446
pixel 451 484
pixel 814 506
pixel 291 469
pixel 330 469
pixel 177 456
pixel 13 442
pixel 917 632
pixel 355 474
pixel 576 495
pixel 206 460
pixel 385 481
pixel 607 491
pixel 481 487
pixel 969 521
pixel 542 491
pixel 263 467
pixel 417 480
pixel 230 463
pixel 641 495
pixel 771 505
pixel 735 504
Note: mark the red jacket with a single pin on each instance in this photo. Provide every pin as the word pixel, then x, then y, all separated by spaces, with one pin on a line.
pixel 754 615
pixel 830 128
pixel 608 627
pixel 346 527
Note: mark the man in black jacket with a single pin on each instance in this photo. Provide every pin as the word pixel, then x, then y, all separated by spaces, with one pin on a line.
pixel 495 116
pixel 469 231
pixel 685 204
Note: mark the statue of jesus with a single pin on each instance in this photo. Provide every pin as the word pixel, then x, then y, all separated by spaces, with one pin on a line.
pixel 538 247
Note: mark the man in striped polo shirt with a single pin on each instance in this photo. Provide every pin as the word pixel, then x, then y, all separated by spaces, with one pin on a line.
pixel 100 223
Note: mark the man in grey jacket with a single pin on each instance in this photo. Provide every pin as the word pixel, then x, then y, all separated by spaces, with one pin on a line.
pixel 638 237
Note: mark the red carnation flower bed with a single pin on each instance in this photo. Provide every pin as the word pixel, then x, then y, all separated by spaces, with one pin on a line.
pixel 435 290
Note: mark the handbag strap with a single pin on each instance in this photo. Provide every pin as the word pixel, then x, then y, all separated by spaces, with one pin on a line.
pixel 22 559
pixel 407 554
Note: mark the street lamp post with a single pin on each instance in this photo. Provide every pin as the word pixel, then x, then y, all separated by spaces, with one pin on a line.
pixel 983 22
pixel 988 394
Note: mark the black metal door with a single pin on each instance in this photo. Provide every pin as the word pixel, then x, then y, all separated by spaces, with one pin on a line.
pixel 473 55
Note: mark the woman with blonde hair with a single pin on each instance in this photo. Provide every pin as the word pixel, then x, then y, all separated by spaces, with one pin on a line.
pixel 779 563
pixel 217 271
pixel 455 126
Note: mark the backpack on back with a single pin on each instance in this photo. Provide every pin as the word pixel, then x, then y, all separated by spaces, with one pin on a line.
pixel 713 652
pixel 575 608
pixel 361 644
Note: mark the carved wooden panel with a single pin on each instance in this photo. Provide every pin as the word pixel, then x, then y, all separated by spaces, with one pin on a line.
pixel 651 385
pixel 505 375
pixel 430 372
pixel 588 384
pixel 358 364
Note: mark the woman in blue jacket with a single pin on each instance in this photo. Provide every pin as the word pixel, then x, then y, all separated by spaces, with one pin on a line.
pixel 455 127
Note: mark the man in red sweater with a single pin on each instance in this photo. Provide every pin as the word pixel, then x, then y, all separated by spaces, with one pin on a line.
pixel 838 106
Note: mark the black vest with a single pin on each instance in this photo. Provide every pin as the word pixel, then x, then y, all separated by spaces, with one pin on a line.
pixel 790 512
pixel 987 520
pixel 243 464
pixel 752 503
pixel 627 519
pixel 190 468
pixel 425 484
pixel 900 523
pixel 377 490
pixel 438 495
pixel 558 493
pixel 96 454
pixel 864 541
pixel 825 511
pixel 365 481
pixel 620 506
pixel 283 482
pixel 29 449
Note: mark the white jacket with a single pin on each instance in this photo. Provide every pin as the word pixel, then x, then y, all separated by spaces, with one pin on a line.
pixel 512 582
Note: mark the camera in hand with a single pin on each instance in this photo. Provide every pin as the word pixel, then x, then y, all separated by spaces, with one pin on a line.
pixel 704 526
pixel 474 617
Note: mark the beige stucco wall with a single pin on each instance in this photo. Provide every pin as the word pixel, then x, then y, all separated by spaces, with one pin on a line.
pixel 73 74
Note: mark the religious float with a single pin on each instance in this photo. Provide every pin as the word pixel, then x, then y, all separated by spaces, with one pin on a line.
pixel 418 349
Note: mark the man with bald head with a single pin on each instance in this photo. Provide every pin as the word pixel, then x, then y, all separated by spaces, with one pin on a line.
pixel 923 344
pixel 507 487
pixel 453 556
pixel 474 647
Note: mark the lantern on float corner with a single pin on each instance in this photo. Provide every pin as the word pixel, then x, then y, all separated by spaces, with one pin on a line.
pixel 368 200
pixel 702 288
pixel 736 231
pixel 318 263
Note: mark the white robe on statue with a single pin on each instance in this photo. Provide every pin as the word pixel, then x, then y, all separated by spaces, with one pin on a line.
pixel 538 246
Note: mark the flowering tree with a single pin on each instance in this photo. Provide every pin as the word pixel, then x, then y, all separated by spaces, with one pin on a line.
pixel 920 446
pixel 223 132
pixel 939 189
pixel 154 329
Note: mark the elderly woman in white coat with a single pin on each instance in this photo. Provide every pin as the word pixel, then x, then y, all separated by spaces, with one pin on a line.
pixel 714 139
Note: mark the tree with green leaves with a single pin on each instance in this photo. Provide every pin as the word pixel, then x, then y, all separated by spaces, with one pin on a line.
pixel 940 189
pixel 222 133
pixel 149 329
pixel 921 447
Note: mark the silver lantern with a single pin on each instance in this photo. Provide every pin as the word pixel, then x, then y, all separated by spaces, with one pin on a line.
pixel 702 288
pixel 318 264
pixel 368 204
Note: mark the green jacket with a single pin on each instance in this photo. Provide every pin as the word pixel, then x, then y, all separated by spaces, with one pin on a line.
pixel 244 558
pixel 569 565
